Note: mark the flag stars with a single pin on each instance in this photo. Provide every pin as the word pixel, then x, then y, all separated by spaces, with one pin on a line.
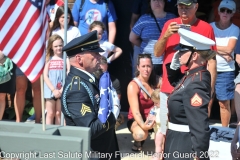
pixel 102 90
pixel 100 110
pixel 109 89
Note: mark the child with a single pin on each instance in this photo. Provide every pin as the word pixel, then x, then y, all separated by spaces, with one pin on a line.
pixel 58 25
pixel 53 78
pixel 158 135
pixel 106 46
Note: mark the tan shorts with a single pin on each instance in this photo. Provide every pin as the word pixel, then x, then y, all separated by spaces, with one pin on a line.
pixel 156 127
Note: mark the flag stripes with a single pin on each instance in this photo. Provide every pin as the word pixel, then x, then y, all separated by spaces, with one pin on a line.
pixel 23 26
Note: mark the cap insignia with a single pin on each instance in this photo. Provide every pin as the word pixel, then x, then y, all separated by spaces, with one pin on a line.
pixel 82 45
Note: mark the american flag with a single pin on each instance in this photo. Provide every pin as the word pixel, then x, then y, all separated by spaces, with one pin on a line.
pixel 23 26
pixel 105 108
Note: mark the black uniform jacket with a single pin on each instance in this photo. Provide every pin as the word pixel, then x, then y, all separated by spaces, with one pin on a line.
pixel 80 101
pixel 188 105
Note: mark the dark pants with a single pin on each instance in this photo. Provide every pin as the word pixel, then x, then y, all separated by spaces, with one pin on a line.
pixel 157 68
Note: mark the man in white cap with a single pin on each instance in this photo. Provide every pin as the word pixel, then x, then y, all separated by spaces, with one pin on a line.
pixel 189 131
pixel 169 39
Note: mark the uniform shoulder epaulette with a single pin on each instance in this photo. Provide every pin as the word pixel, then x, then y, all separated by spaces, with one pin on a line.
pixel 75 83
pixel 197 75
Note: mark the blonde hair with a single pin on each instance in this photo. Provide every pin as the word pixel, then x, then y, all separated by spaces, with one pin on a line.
pixel 207 54
pixel 155 94
pixel 49 46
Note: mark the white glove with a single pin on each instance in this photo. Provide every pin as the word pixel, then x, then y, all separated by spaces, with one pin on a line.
pixel 116 111
pixel 108 60
pixel 175 64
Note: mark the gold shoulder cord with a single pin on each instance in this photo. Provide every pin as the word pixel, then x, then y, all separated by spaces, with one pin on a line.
pixel 79 79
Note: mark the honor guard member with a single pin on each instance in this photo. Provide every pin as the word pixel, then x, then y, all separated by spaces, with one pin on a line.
pixel 80 100
pixel 188 129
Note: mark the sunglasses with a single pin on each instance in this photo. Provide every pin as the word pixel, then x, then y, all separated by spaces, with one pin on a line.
pixel 222 10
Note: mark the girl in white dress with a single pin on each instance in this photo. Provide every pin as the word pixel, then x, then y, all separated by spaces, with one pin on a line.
pixel 58 25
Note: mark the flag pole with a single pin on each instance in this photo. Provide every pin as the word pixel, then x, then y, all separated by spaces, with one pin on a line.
pixel 42 95
pixel 64 53
pixel 42 102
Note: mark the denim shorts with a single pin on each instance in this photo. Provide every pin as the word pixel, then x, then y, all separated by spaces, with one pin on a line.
pixel 19 72
pixel 225 85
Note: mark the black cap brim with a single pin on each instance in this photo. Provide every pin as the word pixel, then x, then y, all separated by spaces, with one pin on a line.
pixel 95 50
pixel 180 47
pixel 88 42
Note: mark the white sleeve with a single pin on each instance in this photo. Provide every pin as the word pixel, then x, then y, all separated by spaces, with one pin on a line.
pixel 233 32
pixel 109 46
pixel 76 32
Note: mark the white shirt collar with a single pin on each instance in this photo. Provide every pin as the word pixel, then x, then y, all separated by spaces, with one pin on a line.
pixel 89 74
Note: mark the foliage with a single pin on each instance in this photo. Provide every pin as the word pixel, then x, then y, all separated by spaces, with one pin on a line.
pixel 28 111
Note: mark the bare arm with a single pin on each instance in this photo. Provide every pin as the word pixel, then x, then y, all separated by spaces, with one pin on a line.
pixel 161 44
pixel 238 59
pixel 2 58
pixel 134 19
pixel 132 94
pixel 68 65
pixel 229 48
pixel 135 39
pixel 46 79
pixel 117 52
pixel 212 68
pixel 1 55
pixel 225 51
pixel 112 32
pixel 48 31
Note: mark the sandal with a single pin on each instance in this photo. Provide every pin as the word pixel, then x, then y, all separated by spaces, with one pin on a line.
pixel 137 146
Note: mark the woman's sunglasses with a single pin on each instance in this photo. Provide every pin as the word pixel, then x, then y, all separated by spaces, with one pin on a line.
pixel 222 10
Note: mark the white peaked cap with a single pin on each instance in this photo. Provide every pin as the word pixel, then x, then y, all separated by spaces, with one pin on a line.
pixel 194 40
